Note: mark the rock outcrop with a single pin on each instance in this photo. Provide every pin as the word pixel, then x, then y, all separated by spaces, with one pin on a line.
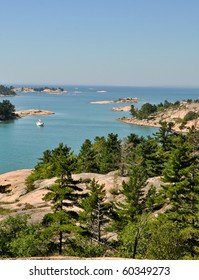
pixel 19 201
pixel 175 115
pixel 32 112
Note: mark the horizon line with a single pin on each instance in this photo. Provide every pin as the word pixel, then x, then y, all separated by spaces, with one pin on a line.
pixel 101 85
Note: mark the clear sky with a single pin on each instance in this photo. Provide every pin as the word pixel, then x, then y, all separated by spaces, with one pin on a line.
pixel 102 42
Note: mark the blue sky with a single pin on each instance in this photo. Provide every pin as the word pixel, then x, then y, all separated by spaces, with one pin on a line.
pixel 102 42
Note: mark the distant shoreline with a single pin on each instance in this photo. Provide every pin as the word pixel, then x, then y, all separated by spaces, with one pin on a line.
pixel 48 90
pixel 126 100
pixel 7 95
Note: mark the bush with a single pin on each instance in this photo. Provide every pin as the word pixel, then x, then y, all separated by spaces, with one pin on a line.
pixel 190 116
pixel 166 242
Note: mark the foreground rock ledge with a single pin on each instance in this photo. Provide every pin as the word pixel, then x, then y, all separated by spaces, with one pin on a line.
pixel 19 201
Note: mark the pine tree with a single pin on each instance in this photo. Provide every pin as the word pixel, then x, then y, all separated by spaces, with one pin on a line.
pixel 111 154
pixel 63 195
pixel 55 163
pixel 94 217
pixel 63 220
pixel 181 191
pixel 87 158
pixel 129 152
pixel 131 214
pixel 164 134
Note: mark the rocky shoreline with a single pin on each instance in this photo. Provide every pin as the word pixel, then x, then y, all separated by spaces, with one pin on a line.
pixel 45 90
pixel 32 112
pixel 122 109
pixel 126 100
pixel 175 115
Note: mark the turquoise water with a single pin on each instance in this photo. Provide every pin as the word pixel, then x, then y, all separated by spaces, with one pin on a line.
pixel 22 142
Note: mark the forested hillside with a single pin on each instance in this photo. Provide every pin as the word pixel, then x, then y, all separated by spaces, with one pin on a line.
pixel 138 222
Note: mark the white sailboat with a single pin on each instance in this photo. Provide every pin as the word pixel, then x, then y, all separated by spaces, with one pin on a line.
pixel 39 123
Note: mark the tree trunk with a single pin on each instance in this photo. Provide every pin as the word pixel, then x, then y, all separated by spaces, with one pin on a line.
pixel 60 242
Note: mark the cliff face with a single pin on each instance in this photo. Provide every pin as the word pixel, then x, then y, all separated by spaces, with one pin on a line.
pixel 175 115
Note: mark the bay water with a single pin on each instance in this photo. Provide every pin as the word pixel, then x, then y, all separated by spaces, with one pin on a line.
pixel 22 143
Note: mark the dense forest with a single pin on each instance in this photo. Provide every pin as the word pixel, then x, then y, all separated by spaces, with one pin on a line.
pixel 6 90
pixel 138 223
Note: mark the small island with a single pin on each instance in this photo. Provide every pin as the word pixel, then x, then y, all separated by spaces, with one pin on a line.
pixel 7 112
pixel 50 90
pixel 32 112
pixel 125 100
pixel 181 115
pixel 122 109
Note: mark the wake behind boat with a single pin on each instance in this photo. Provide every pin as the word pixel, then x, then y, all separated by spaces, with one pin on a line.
pixel 39 123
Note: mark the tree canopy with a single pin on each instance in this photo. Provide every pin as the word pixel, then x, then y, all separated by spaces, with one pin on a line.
pixel 7 110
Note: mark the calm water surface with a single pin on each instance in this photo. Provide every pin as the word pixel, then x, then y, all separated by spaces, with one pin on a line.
pixel 22 142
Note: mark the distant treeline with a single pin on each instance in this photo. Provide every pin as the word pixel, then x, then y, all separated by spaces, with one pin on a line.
pixel 49 88
pixel 6 90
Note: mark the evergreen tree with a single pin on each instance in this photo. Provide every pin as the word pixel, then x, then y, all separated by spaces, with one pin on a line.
pixel 7 110
pixel 63 195
pixel 133 194
pixel 87 158
pixel 150 155
pixel 146 110
pixel 129 152
pixel 181 191
pixel 131 215
pixel 164 135
pixel 55 163
pixel 111 155
pixel 99 149
pixel 94 217
pixel 65 200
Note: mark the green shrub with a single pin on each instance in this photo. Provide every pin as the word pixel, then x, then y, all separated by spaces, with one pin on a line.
pixel 191 116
